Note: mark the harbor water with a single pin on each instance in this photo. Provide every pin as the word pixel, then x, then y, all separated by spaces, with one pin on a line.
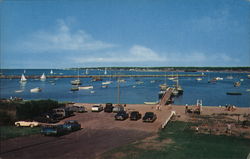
pixel 134 90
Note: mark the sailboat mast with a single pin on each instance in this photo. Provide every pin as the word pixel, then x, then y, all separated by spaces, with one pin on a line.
pixel 118 91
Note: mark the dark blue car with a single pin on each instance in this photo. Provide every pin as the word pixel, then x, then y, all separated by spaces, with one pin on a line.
pixel 71 125
pixel 53 130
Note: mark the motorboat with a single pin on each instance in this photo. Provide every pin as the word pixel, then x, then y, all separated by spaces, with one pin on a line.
pixel 35 90
pixel 19 91
pixel 74 89
pixel 237 84
pixel 198 79
pixel 139 82
pixel 229 77
pixel 121 81
pixel 218 78
pixel 104 86
pixel 76 82
pixel 107 82
pixel 175 92
pixel 163 86
pixel 234 93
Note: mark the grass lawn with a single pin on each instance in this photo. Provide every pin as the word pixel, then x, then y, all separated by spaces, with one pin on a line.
pixel 185 144
pixel 7 132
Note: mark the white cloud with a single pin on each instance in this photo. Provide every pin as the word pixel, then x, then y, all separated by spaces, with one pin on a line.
pixel 136 53
pixel 62 39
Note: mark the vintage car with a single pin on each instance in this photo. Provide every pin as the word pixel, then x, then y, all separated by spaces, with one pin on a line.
pixel 122 115
pixel 54 130
pixel 96 108
pixel 78 109
pixel 118 108
pixel 108 108
pixel 149 117
pixel 135 115
pixel 27 123
pixel 71 125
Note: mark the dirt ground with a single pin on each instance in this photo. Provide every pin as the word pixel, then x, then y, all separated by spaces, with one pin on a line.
pixel 99 133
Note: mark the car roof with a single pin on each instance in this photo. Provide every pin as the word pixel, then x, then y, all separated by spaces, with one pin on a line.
pixel 134 112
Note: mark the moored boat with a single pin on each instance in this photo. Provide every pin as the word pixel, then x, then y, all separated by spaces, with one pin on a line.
pixel 237 84
pixel 150 103
pixel 74 89
pixel 198 79
pixel 163 86
pixel 218 78
pixel 76 82
pixel 19 91
pixel 107 82
pixel 234 93
pixel 43 77
pixel 23 79
pixel 85 87
pixel 35 90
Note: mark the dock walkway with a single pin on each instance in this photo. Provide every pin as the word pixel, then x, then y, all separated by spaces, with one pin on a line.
pixel 166 97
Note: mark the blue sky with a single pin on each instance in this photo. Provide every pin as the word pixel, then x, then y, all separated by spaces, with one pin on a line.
pixel 87 33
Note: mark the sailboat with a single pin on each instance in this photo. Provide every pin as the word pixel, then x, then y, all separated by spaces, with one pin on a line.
pixel 172 78
pixel 105 72
pixel 178 87
pixel 87 71
pixel 43 77
pixel 51 71
pixel 107 82
pixel 23 79
pixel 77 81
pixel 164 86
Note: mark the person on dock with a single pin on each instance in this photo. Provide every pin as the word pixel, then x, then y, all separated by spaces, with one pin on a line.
pixel 229 131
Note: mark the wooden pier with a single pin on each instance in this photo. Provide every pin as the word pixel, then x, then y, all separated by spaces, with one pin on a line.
pixel 98 76
pixel 166 98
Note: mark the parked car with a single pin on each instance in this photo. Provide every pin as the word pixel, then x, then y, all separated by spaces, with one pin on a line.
pixel 53 130
pixel 78 109
pixel 135 115
pixel 97 108
pixel 63 112
pixel 122 115
pixel 149 117
pixel 27 123
pixel 118 108
pixel 72 125
pixel 48 118
pixel 108 108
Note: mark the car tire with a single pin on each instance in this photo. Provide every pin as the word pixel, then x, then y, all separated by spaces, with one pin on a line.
pixel 31 125
pixel 18 125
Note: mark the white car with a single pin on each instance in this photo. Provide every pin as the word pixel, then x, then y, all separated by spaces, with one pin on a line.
pixel 97 108
pixel 27 123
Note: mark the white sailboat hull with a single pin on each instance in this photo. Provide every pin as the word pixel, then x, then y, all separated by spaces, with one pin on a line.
pixel 35 90
pixel 85 87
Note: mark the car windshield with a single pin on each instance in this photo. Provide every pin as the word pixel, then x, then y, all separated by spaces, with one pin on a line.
pixel 149 114
pixel 69 122
pixel 134 113
pixel 121 113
